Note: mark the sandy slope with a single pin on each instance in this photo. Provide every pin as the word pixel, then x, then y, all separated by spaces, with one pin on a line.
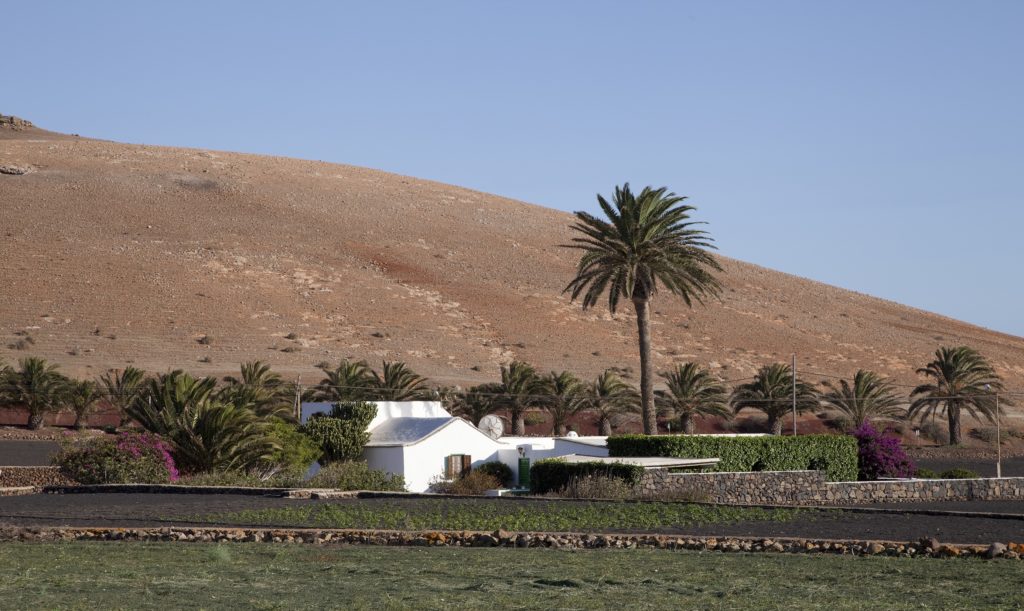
pixel 115 253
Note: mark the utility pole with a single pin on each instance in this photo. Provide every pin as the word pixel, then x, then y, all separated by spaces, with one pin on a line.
pixel 298 398
pixel 794 393
pixel 999 444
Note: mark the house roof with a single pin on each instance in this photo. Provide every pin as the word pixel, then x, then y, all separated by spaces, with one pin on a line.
pixel 412 430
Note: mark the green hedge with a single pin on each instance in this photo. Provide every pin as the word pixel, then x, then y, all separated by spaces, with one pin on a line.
pixel 836 455
pixel 552 474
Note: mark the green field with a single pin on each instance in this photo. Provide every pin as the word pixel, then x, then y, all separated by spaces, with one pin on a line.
pixel 262 576
pixel 460 514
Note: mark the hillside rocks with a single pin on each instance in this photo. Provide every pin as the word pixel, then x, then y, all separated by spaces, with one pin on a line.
pixel 12 122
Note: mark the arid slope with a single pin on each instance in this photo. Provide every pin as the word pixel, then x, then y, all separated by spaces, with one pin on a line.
pixel 116 253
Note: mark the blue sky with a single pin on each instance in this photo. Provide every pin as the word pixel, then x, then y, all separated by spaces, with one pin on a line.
pixel 878 146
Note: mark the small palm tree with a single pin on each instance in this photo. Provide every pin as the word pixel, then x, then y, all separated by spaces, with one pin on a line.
pixel 610 399
pixel 564 396
pixel 216 436
pixel 961 379
pixel 475 403
pixel 771 392
pixel 692 390
pixel 647 240
pixel 35 385
pixel 870 396
pixel 397 382
pixel 121 388
pixel 261 388
pixel 166 398
pixel 517 392
pixel 349 381
pixel 82 396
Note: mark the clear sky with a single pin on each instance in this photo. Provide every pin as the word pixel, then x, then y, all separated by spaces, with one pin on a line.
pixel 878 146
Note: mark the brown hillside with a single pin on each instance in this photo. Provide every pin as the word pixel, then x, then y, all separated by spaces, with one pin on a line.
pixel 117 253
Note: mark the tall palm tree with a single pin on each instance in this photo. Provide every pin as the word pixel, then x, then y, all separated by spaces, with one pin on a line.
pixel 610 398
pixel 37 386
pixel 647 240
pixel 771 392
pixel 517 392
pixel 868 397
pixel 961 379
pixel 82 396
pixel 122 388
pixel 692 390
pixel 349 381
pixel 397 382
pixel 564 396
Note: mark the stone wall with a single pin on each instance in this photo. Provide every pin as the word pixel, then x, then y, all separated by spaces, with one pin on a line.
pixel 810 488
pixel 14 477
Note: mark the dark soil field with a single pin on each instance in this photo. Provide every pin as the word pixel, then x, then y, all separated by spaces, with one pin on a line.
pixel 136 510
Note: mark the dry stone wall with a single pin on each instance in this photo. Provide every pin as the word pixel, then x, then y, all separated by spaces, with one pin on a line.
pixel 15 477
pixel 810 488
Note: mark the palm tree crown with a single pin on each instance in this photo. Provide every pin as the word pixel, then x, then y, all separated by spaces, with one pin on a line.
pixel 35 384
pixel 692 390
pixel 647 241
pixel 771 391
pixel 517 392
pixel 397 382
pixel 348 381
pixel 961 379
pixel 122 388
pixel 870 396
pixel 564 396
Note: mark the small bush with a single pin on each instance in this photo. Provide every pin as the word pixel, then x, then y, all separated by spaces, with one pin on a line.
pixel 958 474
pixel 880 455
pixel 933 431
pixel 129 458
pixel 342 434
pixel 988 434
pixel 597 486
pixel 296 450
pixel 356 475
pixel 923 473
pixel 1015 433
pixel 501 471
pixel 474 483
pixel 552 474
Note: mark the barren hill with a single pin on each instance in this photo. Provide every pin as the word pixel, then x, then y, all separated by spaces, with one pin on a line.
pixel 118 253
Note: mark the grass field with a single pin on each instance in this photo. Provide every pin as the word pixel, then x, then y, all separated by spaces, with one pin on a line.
pixel 458 514
pixel 195 575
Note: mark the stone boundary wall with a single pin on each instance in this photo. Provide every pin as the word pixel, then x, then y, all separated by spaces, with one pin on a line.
pixel 810 488
pixel 17 477
pixel 500 538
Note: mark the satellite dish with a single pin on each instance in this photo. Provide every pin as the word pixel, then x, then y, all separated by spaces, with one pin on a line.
pixel 492 426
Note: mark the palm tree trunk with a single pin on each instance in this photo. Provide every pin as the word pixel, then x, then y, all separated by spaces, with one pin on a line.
pixel 774 424
pixel 35 420
pixel 953 412
pixel 643 324
pixel 518 422
pixel 606 426
pixel 79 421
pixel 560 429
pixel 687 423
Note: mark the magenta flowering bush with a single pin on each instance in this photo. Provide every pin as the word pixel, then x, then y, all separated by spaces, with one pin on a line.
pixel 880 454
pixel 129 458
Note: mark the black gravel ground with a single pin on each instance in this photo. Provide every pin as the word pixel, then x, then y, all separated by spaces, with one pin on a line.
pixel 148 510
pixel 1012 467
pixel 26 453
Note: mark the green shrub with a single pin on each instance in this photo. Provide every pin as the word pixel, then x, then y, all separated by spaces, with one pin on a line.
pixel 355 475
pixel 295 451
pixel 552 475
pixel 498 469
pixel 341 434
pixel 834 454
pixel 129 458
pixel 958 474
pixel 925 473
pixel 988 434
pixel 934 431
pixel 475 483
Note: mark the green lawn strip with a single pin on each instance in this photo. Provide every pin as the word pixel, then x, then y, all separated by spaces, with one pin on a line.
pixel 442 514
pixel 262 576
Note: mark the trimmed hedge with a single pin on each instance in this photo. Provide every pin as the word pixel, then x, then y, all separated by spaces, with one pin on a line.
pixel 552 474
pixel 836 455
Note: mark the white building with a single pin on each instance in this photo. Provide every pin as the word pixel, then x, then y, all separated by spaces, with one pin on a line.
pixel 414 439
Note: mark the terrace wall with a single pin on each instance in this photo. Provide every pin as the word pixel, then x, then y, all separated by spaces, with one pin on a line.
pixel 810 488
